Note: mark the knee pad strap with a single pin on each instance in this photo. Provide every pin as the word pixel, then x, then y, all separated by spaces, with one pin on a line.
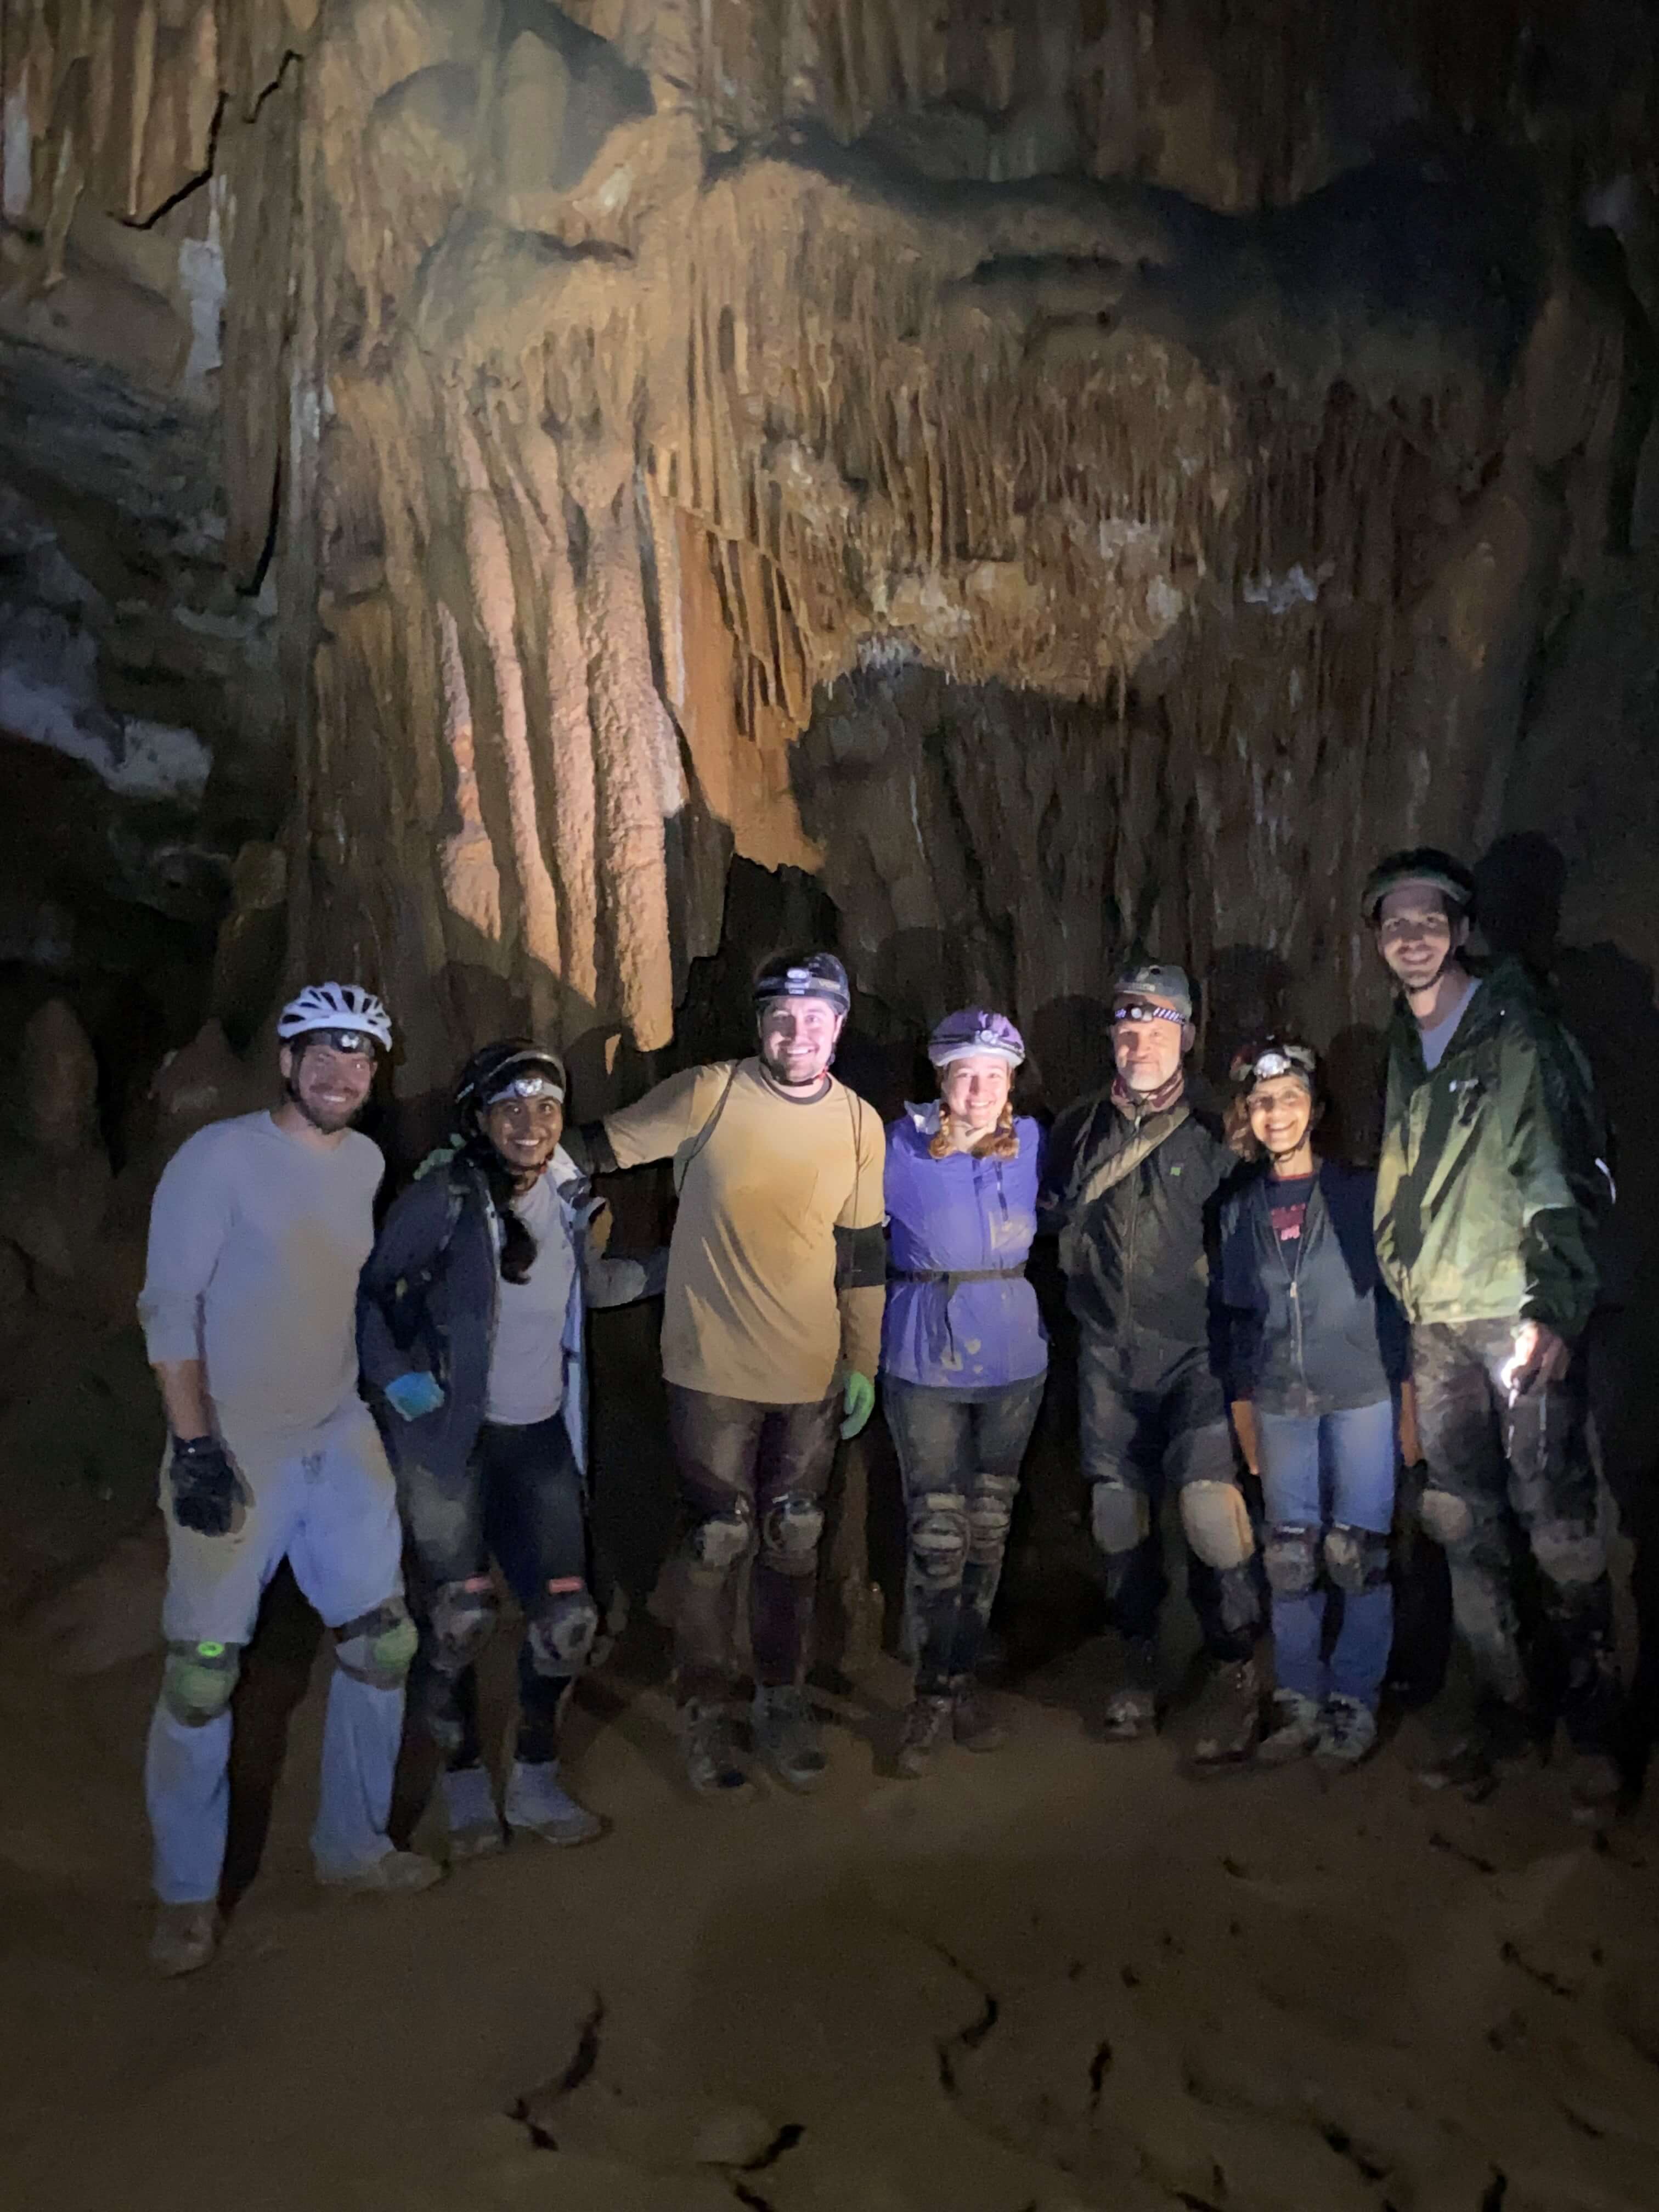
pixel 197 1680
pixel 990 1514
pixel 379 1647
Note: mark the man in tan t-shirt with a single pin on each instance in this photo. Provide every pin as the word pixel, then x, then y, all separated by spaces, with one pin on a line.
pixel 771 1334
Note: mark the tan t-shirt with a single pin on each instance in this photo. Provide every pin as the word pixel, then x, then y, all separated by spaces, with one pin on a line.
pixel 751 1309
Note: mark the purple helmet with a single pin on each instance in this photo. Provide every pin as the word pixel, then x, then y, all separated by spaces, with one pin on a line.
pixel 973 1033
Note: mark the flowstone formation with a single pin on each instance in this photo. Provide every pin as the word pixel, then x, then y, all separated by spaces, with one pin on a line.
pixel 1055 481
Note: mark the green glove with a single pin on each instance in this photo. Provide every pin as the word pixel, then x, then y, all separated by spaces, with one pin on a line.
pixel 859 1399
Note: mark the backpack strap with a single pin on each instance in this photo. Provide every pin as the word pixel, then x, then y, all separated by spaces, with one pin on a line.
pixel 683 1160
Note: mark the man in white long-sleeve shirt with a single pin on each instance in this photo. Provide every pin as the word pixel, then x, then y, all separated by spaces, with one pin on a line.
pixel 259 1228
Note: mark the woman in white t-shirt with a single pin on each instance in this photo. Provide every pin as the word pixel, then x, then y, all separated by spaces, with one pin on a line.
pixel 471 1336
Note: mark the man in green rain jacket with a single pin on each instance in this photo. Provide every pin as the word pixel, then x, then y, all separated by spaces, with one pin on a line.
pixel 1491 1175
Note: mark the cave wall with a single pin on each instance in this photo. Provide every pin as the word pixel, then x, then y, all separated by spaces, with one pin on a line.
pixel 1050 480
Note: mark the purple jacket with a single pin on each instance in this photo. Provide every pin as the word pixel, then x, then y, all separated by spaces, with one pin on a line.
pixel 960 1214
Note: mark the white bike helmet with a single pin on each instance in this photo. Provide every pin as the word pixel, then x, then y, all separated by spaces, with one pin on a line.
pixel 335 1006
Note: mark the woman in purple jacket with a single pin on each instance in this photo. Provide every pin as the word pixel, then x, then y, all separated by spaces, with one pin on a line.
pixel 963 1361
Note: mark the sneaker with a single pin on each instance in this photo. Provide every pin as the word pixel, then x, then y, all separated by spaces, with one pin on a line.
pixel 1229 1714
pixel 714 1763
pixel 1347 1732
pixel 400 1874
pixel 789 1738
pixel 539 1804
pixel 1292 1729
pixel 927 1726
pixel 973 1719
pixel 185 1937
pixel 1132 1709
pixel 475 1826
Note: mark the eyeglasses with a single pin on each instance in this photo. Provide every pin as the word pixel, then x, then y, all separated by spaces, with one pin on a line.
pixel 1137 1011
pixel 527 1086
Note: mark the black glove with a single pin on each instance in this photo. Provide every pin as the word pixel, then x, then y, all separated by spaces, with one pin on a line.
pixel 205 1489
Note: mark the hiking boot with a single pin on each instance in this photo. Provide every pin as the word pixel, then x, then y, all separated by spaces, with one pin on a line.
pixel 400 1874
pixel 539 1804
pixel 1347 1732
pixel 926 1727
pixel 1229 1714
pixel 787 1737
pixel 973 1719
pixel 1132 1709
pixel 1594 1786
pixel 1500 1740
pixel 714 1763
pixel 1292 1729
pixel 475 1827
pixel 185 1937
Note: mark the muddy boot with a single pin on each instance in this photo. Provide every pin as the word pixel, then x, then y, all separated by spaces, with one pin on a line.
pixel 475 1827
pixel 975 1725
pixel 1500 1741
pixel 927 1728
pixel 1594 1786
pixel 1347 1734
pixel 1132 1709
pixel 786 1736
pixel 539 1804
pixel 185 1937
pixel 1292 1729
pixel 1229 1714
pixel 715 1762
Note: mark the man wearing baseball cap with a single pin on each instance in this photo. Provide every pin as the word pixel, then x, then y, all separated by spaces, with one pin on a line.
pixel 1491 1179
pixel 771 1335
pixel 1129 1184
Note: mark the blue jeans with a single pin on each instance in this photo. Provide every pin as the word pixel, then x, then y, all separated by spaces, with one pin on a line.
pixel 1327 1483
pixel 959 1454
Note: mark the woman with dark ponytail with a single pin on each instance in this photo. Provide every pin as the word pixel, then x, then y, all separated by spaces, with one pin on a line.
pixel 963 1361
pixel 470 1337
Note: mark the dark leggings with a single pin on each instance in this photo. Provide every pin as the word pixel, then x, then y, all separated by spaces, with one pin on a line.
pixel 521 1500
pixel 959 1454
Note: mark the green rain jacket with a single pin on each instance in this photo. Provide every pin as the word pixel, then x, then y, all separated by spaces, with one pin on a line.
pixel 1488 1182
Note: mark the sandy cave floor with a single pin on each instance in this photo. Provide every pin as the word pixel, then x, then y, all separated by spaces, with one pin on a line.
pixel 1065 1975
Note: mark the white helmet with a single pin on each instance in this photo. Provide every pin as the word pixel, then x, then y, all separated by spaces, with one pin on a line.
pixel 335 1006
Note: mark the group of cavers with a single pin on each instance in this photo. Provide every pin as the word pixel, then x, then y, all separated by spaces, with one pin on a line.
pixel 1258 1329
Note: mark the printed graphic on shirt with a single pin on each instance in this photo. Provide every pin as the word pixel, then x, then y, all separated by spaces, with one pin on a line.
pixel 1288 1205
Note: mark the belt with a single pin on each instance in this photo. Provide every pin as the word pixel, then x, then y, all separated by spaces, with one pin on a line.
pixel 954 1275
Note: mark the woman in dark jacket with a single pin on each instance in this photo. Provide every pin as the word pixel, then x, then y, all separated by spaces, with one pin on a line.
pixel 470 1327
pixel 1318 1350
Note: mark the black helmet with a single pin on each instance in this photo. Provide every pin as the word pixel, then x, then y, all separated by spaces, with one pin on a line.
pixel 511 1064
pixel 1421 863
pixel 803 975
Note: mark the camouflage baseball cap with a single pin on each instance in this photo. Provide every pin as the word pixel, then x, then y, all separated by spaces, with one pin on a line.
pixel 1151 980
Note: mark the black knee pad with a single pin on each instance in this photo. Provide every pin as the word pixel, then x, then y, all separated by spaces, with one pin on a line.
pixel 197 1680
pixel 1356 1558
pixel 463 1619
pixel 715 1544
pixel 1445 1517
pixel 990 1513
pixel 561 1635
pixel 939 1537
pixel 1569 1554
pixel 790 1533
pixel 1290 1555
pixel 379 1647
pixel 1119 1517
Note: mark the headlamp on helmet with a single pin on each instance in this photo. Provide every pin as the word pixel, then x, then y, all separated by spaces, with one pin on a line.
pixel 1261 1063
pixel 1142 1010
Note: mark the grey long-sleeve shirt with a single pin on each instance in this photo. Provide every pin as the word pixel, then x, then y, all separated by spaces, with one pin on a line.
pixel 256 1239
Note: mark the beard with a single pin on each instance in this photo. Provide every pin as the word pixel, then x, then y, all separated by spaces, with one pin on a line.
pixel 327 1121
